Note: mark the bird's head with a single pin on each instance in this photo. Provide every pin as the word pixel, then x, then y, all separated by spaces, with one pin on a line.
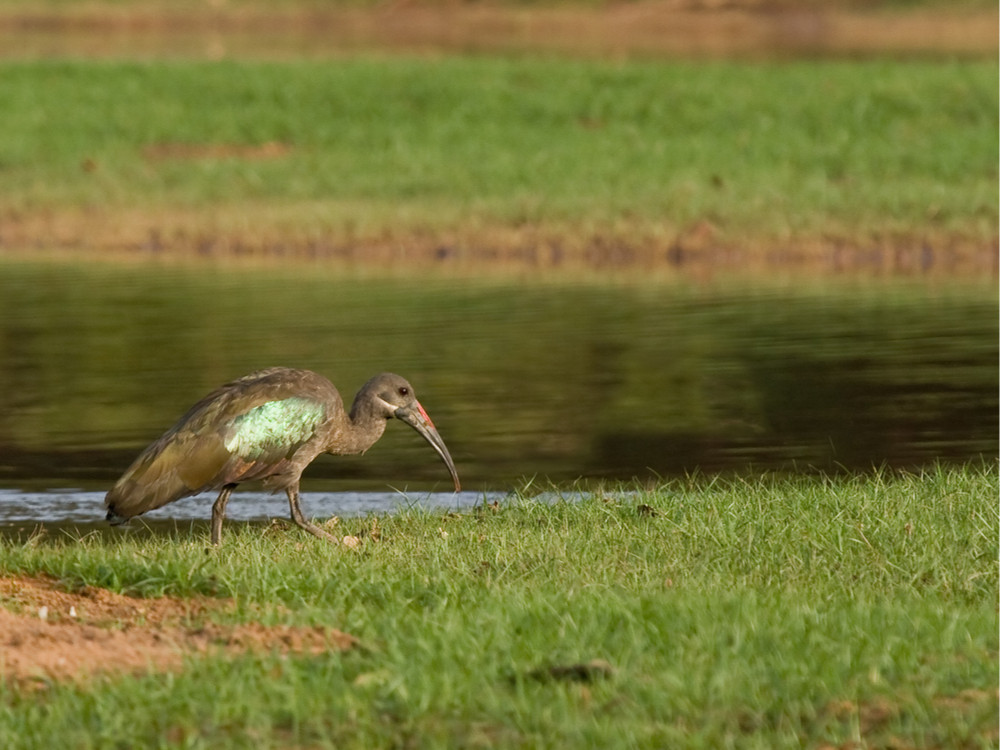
pixel 390 396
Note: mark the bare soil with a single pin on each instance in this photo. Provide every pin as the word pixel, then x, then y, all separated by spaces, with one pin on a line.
pixel 688 28
pixel 48 633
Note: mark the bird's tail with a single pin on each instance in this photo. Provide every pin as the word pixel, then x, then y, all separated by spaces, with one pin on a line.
pixel 153 480
pixel 114 518
pixel 132 496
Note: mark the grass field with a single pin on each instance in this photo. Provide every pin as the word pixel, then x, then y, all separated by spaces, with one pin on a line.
pixel 362 148
pixel 723 613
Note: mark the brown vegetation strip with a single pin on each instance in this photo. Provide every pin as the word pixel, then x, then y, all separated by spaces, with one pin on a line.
pixel 47 633
pixel 178 235
pixel 674 28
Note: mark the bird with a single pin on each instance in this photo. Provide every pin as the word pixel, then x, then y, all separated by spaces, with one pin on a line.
pixel 268 425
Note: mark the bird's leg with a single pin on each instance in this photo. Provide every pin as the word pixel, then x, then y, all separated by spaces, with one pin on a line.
pixel 293 504
pixel 219 512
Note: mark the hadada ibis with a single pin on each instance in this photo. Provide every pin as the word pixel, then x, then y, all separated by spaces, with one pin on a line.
pixel 267 425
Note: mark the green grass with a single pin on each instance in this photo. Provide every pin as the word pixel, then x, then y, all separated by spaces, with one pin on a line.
pixel 407 144
pixel 766 613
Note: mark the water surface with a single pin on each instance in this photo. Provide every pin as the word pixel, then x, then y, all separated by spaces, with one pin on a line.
pixel 20 508
pixel 556 381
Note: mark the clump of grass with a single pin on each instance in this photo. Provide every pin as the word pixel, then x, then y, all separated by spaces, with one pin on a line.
pixel 773 612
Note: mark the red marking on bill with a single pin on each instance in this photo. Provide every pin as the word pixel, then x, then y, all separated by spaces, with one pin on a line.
pixel 424 415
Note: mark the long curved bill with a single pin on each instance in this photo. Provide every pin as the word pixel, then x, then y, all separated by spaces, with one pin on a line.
pixel 415 416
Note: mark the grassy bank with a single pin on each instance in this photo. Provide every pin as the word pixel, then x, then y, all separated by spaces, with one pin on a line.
pixel 770 613
pixel 146 155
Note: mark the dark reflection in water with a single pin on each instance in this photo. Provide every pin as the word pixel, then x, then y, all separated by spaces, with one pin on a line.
pixel 558 381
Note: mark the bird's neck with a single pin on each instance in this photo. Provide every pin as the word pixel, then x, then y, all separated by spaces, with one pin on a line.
pixel 357 433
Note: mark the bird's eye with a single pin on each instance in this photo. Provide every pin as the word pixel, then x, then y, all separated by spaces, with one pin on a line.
pixel 404 391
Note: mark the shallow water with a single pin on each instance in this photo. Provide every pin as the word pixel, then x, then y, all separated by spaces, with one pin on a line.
pixel 558 381
pixel 20 508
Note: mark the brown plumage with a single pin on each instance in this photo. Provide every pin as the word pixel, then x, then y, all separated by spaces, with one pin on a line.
pixel 267 425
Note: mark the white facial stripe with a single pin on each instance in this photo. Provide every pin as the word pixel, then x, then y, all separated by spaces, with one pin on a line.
pixel 388 407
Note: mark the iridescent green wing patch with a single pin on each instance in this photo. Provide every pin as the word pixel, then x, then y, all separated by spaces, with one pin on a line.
pixel 274 429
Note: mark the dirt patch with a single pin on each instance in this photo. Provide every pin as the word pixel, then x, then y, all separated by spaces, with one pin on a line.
pixel 874 719
pixel 683 28
pixel 47 633
pixel 215 151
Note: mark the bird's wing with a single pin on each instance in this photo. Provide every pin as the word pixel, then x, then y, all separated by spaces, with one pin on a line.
pixel 260 440
pixel 234 434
